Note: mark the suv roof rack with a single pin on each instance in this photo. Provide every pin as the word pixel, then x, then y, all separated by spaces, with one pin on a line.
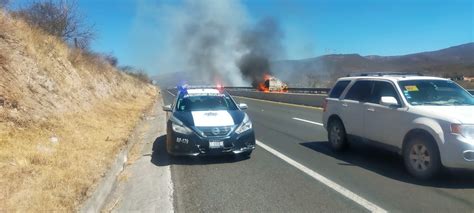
pixel 385 74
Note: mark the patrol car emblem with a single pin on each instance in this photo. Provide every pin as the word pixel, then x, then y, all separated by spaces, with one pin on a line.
pixel 215 131
pixel 211 114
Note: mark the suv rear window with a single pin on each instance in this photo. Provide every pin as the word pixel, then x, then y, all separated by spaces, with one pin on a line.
pixel 338 89
pixel 360 91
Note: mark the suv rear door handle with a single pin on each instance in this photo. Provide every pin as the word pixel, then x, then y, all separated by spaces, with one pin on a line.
pixel 371 109
pixel 344 105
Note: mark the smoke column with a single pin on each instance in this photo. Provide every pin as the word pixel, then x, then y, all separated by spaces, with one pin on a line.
pixel 213 42
pixel 263 43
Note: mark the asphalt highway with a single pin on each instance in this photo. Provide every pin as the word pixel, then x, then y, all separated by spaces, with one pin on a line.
pixel 295 171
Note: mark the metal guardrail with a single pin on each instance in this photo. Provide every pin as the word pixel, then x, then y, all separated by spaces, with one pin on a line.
pixel 240 88
pixel 310 90
pixel 295 95
pixel 290 90
pixel 299 90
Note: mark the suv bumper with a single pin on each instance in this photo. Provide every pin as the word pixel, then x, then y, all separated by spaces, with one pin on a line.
pixel 457 152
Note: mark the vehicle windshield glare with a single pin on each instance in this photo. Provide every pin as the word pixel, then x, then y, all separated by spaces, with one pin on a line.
pixel 435 92
pixel 205 103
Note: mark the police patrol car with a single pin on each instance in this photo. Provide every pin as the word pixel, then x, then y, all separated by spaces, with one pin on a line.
pixel 207 121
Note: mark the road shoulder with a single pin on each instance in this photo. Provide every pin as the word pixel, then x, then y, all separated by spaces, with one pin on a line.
pixel 144 186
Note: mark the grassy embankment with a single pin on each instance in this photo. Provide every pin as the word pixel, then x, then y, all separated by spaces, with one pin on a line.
pixel 64 115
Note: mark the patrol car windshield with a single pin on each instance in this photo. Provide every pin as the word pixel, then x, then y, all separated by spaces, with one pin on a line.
pixel 205 103
pixel 435 92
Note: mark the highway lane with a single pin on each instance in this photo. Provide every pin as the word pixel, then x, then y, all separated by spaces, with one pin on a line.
pixel 378 176
pixel 374 174
pixel 263 183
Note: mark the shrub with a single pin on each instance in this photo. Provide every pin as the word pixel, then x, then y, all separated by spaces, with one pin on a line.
pixel 137 73
pixel 59 18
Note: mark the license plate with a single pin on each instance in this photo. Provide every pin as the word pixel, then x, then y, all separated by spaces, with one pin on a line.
pixel 216 144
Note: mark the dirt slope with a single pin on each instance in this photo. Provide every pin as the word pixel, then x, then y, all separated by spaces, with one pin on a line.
pixel 64 114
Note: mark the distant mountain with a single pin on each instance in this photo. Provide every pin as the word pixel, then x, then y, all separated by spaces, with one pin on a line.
pixel 321 71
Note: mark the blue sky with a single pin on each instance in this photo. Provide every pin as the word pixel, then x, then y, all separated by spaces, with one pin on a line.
pixel 369 27
pixel 311 27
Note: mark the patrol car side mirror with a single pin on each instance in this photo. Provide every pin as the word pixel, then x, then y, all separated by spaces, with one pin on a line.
pixel 389 101
pixel 167 108
pixel 243 106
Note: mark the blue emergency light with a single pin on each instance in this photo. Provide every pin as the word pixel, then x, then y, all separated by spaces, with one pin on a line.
pixel 182 89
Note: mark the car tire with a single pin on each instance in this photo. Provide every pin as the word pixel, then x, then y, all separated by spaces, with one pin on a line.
pixel 421 157
pixel 337 135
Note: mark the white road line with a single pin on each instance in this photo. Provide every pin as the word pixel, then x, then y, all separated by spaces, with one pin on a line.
pixel 170 93
pixel 311 122
pixel 331 184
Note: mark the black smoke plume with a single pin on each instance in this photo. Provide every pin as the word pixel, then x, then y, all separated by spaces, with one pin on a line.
pixel 213 41
pixel 263 43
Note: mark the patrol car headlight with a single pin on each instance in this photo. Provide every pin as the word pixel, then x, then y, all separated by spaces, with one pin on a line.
pixel 244 126
pixel 466 131
pixel 179 127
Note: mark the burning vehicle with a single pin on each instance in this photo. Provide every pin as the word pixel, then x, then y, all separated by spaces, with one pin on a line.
pixel 272 84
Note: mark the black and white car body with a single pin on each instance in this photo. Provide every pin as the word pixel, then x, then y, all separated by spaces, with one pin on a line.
pixel 207 121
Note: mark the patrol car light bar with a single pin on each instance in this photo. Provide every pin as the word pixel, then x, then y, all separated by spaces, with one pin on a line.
pixel 186 87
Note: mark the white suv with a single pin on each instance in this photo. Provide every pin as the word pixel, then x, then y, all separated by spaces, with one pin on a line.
pixel 428 120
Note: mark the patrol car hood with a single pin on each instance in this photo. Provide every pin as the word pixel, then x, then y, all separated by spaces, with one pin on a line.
pixel 210 118
pixel 455 114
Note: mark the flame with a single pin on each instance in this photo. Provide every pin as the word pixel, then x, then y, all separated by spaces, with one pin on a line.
pixel 263 88
pixel 284 90
pixel 261 85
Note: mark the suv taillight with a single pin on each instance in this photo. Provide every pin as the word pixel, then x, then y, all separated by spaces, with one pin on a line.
pixel 325 104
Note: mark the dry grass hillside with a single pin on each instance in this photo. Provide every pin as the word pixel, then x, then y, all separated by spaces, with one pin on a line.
pixel 64 114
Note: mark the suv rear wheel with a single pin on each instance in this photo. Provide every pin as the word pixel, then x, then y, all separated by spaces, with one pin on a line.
pixel 337 135
pixel 421 157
